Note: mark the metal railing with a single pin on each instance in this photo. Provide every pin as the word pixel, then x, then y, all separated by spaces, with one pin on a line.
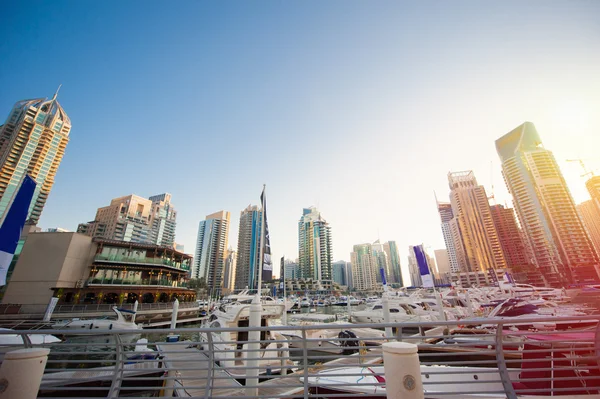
pixel 140 282
pixel 502 360
pixel 145 260
pixel 92 308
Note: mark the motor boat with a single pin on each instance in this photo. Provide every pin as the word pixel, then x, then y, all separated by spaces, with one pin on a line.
pixel 117 323
pixel 227 346
pixel 305 303
pixel 399 313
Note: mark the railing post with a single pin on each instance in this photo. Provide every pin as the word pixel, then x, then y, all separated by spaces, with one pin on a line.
pixel 502 370
pixel 305 362
pixel 402 371
pixel 211 366
pixel 119 368
pixel 21 373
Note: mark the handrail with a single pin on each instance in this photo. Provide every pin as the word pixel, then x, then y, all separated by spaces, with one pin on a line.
pixel 503 370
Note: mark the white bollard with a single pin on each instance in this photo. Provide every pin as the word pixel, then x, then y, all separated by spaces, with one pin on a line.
pixel 21 373
pixel 402 371
pixel 174 314
pixel 253 347
pixel 386 315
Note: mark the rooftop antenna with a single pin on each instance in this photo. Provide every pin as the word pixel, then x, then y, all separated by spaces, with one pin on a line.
pixel 56 93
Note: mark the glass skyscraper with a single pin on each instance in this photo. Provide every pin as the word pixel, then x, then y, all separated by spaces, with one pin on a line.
pixel 32 141
pixel 314 246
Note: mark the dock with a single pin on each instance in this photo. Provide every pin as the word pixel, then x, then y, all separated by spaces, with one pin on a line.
pixel 192 369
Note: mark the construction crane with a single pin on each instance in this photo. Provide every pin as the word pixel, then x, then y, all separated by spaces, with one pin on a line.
pixel 586 172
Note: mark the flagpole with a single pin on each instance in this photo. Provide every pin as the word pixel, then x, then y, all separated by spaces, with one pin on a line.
pixel 253 356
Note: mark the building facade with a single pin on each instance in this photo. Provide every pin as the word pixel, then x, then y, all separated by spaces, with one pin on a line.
pixel 211 250
pixel 338 272
pixel 556 237
pixel 229 271
pixel 163 220
pixel 247 264
pixel 82 270
pixel 33 140
pixel 413 268
pixel 590 215
pixel 364 267
pixel 444 270
pixel 314 245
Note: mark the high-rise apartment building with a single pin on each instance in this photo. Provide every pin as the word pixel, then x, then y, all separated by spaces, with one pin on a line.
pixel 246 275
pixel 291 269
pixel 135 219
pixel 478 247
pixel 513 243
pixel 338 272
pixel 446 217
pixel 364 267
pixel 590 214
pixel 314 245
pixel 163 220
pixel 229 271
pixel 211 249
pixel 555 234
pixel 32 141
pixel 391 249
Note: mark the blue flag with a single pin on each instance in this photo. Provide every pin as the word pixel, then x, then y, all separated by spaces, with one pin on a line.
pixel 12 226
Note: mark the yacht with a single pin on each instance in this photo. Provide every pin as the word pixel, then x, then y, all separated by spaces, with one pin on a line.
pixel 105 323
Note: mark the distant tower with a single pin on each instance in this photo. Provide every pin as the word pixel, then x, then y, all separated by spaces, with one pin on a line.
pixel 32 141
pixel 479 248
pixel 314 245
pixel 211 249
pixel 556 236
pixel 163 220
pixel 413 268
pixel 229 271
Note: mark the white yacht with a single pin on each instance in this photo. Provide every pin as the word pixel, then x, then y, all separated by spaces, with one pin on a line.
pixel 399 313
pixel 105 323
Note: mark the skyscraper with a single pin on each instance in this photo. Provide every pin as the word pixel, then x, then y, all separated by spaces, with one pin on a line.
pixel 338 272
pixel 163 220
pixel 555 234
pixel 382 261
pixel 314 245
pixel 442 261
pixel 136 219
pixel 512 242
pixel 391 249
pixel 364 267
pixel 247 266
pixel 32 141
pixel 478 248
pixel 446 217
pixel 211 249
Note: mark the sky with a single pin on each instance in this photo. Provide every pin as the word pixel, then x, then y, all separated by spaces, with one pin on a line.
pixel 358 108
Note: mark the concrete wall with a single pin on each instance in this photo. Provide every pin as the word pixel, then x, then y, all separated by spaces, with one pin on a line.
pixel 49 260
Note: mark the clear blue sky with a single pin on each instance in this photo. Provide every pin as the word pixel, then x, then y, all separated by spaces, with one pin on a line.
pixel 360 108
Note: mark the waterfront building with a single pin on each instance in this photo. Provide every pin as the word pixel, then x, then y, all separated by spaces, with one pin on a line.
pixel 477 247
pixel 393 257
pixel 314 245
pixel 291 269
pixel 163 220
pixel 135 219
pixel 513 245
pixel 79 269
pixel 33 140
pixel 590 215
pixel 447 217
pixel 229 271
pixel 364 267
pixel 247 264
pixel 562 249
pixel 211 250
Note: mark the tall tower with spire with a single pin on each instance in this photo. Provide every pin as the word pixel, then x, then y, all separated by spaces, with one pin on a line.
pixel 32 141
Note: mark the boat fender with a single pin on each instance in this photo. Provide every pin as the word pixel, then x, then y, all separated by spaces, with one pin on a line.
pixel 91 325
pixel 110 327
